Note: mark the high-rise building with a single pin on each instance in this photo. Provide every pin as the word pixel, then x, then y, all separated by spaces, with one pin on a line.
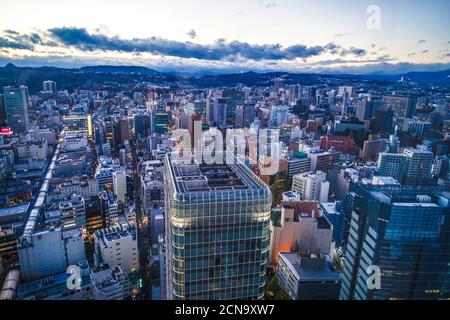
pixel 418 127
pixel 346 90
pixel 402 106
pixel 383 122
pixel 17 107
pixel 194 129
pixel 142 125
pixel 244 116
pixel 364 109
pixel 49 86
pixel 294 91
pixel 403 233
pixel 95 219
pixel 419 166
pixel 216 112
pixel 2 111
pixel 278 83
pixel 121 130
pixel 393 165
pixel 160 122
pixel 120 185
pixel 217 231
pixel 440 166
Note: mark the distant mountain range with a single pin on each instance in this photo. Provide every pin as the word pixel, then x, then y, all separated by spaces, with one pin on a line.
pixel 85 77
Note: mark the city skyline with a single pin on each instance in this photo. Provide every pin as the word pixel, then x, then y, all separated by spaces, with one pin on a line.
pixel 260 150
pixel 259 35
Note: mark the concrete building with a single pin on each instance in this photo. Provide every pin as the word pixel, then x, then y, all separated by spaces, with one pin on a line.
pixel 37 150
pixel 50 252
pixel 296 163
pixel 82 186
pixel 120 185
pixel 335 214
pixel 117 246
pixel 392 165
pixel 244 116
pixel 418 127
pixel 301 229
pixel 320 160
pixel 291 196
pixel 111 283
pixel 49 86
pixel 73 212
pixel 372 148
pixel 420 163
pixel 343 143
pixel 109 208
pixel 311 186
pixel 308 276
pixel 55 287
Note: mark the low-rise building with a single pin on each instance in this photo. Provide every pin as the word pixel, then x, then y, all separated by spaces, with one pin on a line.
pixel 308 276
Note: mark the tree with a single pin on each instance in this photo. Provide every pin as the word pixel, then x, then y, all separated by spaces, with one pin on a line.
pixel 274 291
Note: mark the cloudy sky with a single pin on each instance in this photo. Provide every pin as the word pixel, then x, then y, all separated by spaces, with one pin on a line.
pixel 291 35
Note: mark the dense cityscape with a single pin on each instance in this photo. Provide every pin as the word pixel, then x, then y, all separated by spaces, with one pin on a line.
pixel 224 158
pixel 90 181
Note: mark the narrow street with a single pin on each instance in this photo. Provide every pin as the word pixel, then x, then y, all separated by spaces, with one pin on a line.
pixel 143 231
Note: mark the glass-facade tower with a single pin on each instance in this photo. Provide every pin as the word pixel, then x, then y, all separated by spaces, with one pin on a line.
pixel 404 232
pixel 217 231
pixel 16 102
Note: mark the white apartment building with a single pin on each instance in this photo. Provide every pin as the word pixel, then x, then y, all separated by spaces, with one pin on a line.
pixel 120 185
pixel 117 246
pixel 82 186
pixel 311 186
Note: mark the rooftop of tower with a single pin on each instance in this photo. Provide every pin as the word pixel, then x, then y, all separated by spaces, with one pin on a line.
pixel 191 176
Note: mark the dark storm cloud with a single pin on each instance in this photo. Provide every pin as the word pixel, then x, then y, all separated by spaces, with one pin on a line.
pixel 81 39
pixel 220 50
pixel 13 44
pixel 15 40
